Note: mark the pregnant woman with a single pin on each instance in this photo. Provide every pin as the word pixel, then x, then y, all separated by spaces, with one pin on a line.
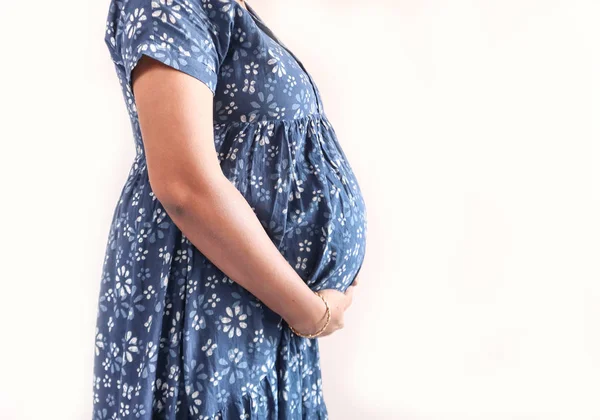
pixel 240 231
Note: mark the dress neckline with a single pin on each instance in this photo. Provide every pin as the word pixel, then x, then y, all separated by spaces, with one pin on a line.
pixel 258 20
pixel 251 11
pixel 265 28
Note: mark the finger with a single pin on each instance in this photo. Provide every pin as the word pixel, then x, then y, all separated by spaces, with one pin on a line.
pixel 358 277
pixel 349 295
pixel 355 282
pixel 349 289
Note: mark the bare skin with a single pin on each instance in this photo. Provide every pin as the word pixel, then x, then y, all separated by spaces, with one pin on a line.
pixel 176 119
pixel 242 3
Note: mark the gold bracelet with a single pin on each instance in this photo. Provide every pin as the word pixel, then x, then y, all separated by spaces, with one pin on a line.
pixel 313 335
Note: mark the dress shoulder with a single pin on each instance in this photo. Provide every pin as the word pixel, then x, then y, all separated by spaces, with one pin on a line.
pixel 191 36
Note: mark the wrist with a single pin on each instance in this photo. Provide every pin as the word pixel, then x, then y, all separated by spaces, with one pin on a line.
pixel 310 316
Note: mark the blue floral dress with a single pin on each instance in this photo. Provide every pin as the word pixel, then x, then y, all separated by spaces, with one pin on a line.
pixel 176 338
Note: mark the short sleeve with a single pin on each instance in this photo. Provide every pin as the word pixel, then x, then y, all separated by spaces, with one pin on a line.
pixel 178 33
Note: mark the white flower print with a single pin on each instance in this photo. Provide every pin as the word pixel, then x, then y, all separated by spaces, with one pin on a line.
pixel 249 86
pixel 224 110
pixel 280 185
pixel 139 410
pixel 112 362
pixel 141 253
pixel 239 35
pixel 305 245
pixel 241 137
pixel 303 102
pixel 301 263
pixel 126 391
pixel 181 255
pixel 252 68
pixel 110 324
pixel 213 300
pixel 317 196
pixel 124 410
pixel 234 322
pixel 257 342
pixel 299 188
pixel 232 154
pixel 331 255
pixel 257 181
pixel 277 112
pixel 165 255
pixel 110 36
pixel 166 10
pixel 223 396
pixel 130 346
pixel 196 401
pixel 100 342
pixel 216 378
pixel 135 21
pixel 122 281
pixel 263 194
pixel 298 217
pixel 230 89
pixel 327 233
pixel 211 282
pixel 277 63
pixel 335 191
pixel 290 85
pixel 264 135
pixel 201 311
pixel 234 365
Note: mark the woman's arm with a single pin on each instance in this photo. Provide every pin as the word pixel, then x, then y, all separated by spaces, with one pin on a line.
pixel 176 119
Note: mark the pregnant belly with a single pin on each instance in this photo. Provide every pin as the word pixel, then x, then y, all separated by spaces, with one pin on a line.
pixel 325 239
pixel 320 223
pixel 326 215
pixel 320 230
pixel 299 183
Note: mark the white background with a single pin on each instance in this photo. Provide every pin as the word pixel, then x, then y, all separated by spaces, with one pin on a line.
pixel 473 127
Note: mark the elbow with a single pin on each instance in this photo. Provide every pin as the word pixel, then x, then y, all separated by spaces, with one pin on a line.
pixel 174 196
pixel 177 194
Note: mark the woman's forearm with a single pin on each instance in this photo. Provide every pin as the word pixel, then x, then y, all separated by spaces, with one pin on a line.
pixel 218 220
pixel 176 121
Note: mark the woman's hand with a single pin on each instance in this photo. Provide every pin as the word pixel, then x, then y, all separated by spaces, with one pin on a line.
pixel 338 302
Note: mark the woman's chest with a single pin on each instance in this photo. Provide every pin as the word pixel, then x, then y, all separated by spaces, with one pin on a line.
pixel 260 79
